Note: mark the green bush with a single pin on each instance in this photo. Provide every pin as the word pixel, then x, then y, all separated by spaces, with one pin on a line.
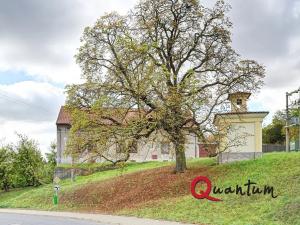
pixel 6 168
pixel 22 165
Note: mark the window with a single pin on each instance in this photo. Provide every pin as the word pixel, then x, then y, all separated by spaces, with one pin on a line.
pixel 122 148
pixel 165 148
pixel 154 157
pixel 118 148
pixel 239 101
pixel 133 148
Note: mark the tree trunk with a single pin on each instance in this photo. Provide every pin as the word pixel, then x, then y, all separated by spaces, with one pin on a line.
pixel 180 162
pixel 6 187
pixel 180 154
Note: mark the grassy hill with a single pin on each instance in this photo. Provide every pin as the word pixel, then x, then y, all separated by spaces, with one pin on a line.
pixel 151 190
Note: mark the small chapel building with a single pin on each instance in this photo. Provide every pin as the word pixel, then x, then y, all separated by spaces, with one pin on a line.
pixel 240 130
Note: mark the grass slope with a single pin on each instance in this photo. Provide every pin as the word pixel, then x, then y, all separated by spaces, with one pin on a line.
pixel 280 170
pixel 151 190
pixel 41 197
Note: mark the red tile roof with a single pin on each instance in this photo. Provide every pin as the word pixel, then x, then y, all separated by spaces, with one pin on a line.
pixel 64 117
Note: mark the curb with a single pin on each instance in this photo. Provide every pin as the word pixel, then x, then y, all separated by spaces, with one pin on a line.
pixel 113 220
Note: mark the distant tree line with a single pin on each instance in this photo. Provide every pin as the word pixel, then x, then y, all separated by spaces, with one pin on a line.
pixel 22 164
pixel 274 133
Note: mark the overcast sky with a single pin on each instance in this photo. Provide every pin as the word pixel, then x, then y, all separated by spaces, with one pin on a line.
pixel 38 40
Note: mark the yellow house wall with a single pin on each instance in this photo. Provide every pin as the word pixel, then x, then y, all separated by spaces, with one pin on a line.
pixel 252 126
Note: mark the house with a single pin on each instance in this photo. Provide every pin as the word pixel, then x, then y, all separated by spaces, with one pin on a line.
pixel 159 148
pixel 240 130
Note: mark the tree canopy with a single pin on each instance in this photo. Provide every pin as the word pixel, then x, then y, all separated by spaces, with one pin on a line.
pixel 170 61
pixel 22 164
pixel 274 133
pixel 6 168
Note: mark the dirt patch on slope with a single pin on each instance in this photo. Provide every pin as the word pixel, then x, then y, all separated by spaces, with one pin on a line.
pixel 132 190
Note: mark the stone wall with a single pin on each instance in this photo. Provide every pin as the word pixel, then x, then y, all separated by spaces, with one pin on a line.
pixel 62 136
pixel 65 173
pixel 226 157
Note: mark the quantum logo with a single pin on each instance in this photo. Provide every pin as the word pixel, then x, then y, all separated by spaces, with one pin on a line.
pixel 247 189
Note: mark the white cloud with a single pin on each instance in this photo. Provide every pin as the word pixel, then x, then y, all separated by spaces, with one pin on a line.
pixel 43 132
pixel 30 101
pixel 270 100
pixel 41 38
pixel 30 108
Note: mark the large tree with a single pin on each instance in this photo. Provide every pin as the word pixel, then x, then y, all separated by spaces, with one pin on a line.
pixel 170 61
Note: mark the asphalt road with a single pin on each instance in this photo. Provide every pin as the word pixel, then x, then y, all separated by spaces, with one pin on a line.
pixel 19 219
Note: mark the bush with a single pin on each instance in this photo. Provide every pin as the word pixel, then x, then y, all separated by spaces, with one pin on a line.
pixel 28 163
pixel 22 165
pixel 6 168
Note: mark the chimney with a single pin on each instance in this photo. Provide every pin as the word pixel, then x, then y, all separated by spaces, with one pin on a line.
pixel 239 101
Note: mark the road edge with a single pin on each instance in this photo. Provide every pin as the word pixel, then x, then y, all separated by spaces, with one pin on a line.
pixel 109 219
